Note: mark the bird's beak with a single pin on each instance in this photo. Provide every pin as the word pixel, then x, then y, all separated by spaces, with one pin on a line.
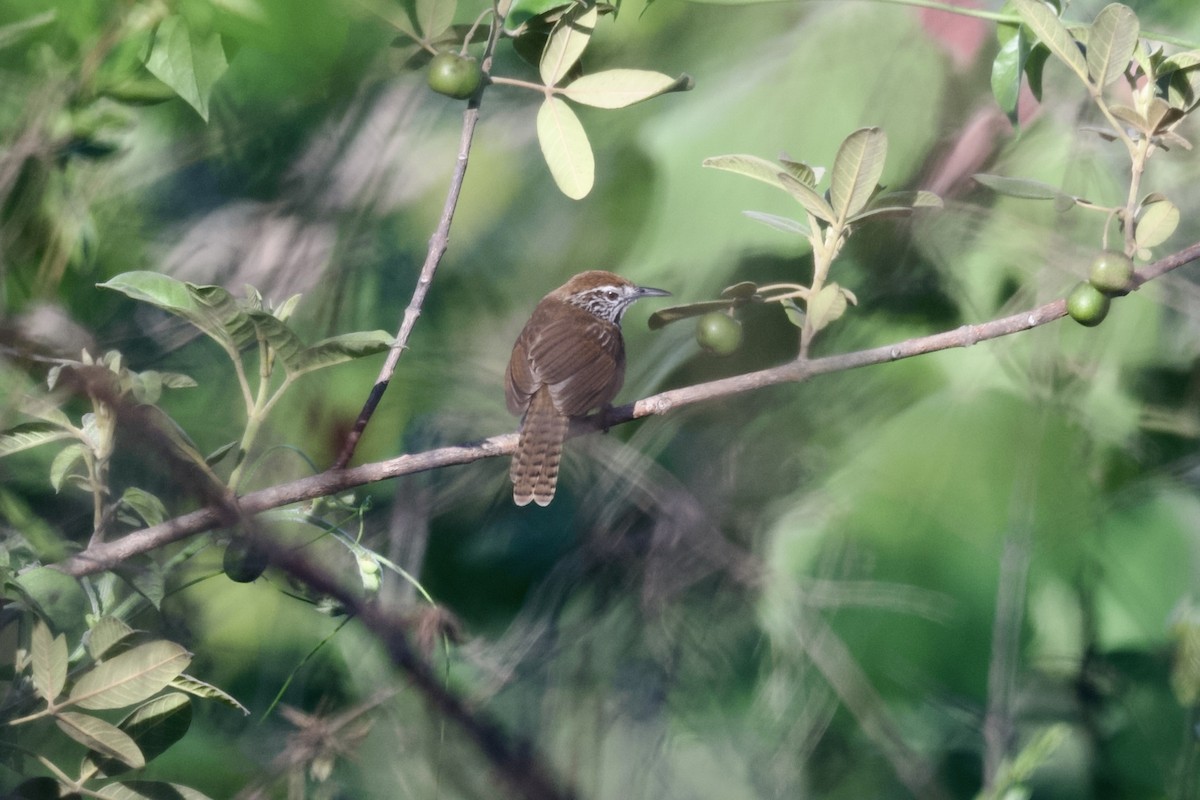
pixel 647 291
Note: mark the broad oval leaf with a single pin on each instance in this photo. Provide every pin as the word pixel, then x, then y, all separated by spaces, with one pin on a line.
pixel 829 304
pixel 617 88
pixel 760 169
pixel 566 149
pixel 435 16
pixel 187 61
pixel 154 727
pixel 281 338
pixel 802 172
pixel 106 634
pixel 101 736
pixel 566 43
pixel 341 348
pixel 1111 42
pixel 57 597
pixel 807 196
pixel 130 677
pixel 48 656
pixel 63 464
pixel 1051 31
pixel 149 508
pixel 856 171
pixel 1157 222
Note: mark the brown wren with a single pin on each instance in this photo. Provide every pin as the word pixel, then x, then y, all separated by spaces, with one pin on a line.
pixel 568 360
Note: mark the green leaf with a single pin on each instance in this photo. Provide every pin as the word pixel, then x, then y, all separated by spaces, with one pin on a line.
pixel 63 464
pixel 149 790
pixel 565 147
pixel 48 655
pixel 742 290
pixel 760 169
pixel 222 308
pixel 340 349
pixel 898 204
pixel 566 44
pixel 665 316
pixel 148 507
pixel 214 313
pixel 794 313
pixel 856 171
pixel 279 336
pixel 801 171
pixel 1158 220
pixel 434 17
pixel 1008 68
pixel 829 304
pixel 103 737
pixel 106 634
pixel 1026 189
pixel 130 677
pixel 785 224
pixel 154 726
pixel 57 597
pixel 199 688
pixel 808 197
pixel 188 62
pixel 15 31
pixel 617 88
pixel 30 434
pixel 1111 42
pixel 1051 31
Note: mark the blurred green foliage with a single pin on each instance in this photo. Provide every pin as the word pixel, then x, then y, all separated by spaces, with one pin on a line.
pixel 977 569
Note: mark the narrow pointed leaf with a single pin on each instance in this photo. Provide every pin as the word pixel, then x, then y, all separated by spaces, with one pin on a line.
pixel 106 634
pixel 48 654
pixel 32 434
pixel 802 172
pixel 101 736
pixel 340 349
pixel 1022 187
pixel 130 677
pixel 1111 42
pixel 1051 31
pixel 617 88
pixel 565 147
pixel 1008 69
pixel 785 224
pixel 665 316
pixel 1156 223
pixel 760 169
pixel 198 688
pixel 566 43
pixel 149 790
pixel 808 197
pixel 856 171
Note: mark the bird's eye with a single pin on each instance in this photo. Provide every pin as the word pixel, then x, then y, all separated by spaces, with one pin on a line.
pixel 612 294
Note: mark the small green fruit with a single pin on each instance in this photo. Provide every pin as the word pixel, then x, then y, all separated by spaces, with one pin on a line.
pixel 244 561
pixel 1087 305
pixel 719 333
pixel 454 75
pixel 1112 273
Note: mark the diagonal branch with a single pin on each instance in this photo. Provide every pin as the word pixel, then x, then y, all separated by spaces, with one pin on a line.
pixel 106 555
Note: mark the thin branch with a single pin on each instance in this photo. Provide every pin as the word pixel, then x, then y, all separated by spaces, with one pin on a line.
pixel 438 243
pixel 107 555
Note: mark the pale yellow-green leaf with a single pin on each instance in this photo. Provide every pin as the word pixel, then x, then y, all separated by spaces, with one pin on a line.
pixel 27 436
pixel 808 197
pixel 435 16
pixel 617 88
pixel 856 171
pixel 566 43
pixel 760 169
pixel 63 464
pixel 826 307
pixel 107 632
pixel 103 737
pixel 1111 42
pixel 130 677
pixel 48 654
pixel 1156 223
pixel 565 147
pixel 199 688
pixel 1051 31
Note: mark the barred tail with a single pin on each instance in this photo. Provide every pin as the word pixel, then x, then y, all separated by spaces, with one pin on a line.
pixel 534 469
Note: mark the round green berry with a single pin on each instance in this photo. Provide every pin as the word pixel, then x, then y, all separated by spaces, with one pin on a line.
pixel 454 75
pixel 244 561
pixel 1112 273
pixel 719 333
pixel 1087 305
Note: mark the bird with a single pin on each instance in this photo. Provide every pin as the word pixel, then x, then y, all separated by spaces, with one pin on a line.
pixel 568 360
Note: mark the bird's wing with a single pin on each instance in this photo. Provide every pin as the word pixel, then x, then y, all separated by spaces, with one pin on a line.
pixel 578 356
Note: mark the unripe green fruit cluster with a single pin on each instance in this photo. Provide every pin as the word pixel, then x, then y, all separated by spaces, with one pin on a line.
pixel 1111 275
pixel 454 75
pixel 719 333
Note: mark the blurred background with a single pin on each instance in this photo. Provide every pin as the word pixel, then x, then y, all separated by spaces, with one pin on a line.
pixel 880 583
